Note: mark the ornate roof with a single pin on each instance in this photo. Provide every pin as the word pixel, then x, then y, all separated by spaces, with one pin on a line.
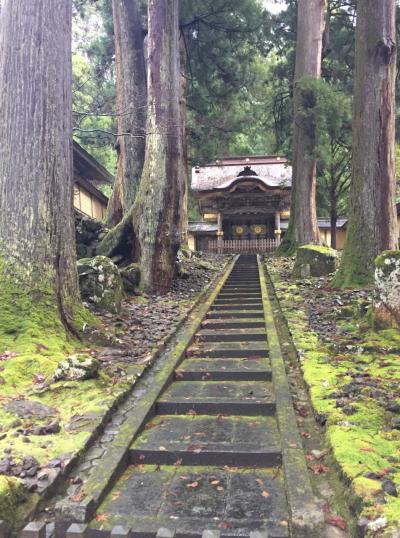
pixel 272 171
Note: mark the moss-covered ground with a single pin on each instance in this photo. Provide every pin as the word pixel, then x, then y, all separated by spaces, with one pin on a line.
pixel 353 377
pixel 33 342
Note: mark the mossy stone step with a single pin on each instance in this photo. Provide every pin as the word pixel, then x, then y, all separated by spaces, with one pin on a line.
pixel 250 313
pixel 252 398
pixel 233 441
pixel 224 370
pixel 234 323
pixel 238 306
pixel 148 497
pixel 224 294
pixel 238 300
pixel 231 335
pixel 232 350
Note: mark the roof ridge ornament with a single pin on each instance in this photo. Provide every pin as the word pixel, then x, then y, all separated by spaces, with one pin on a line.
pixel 247 172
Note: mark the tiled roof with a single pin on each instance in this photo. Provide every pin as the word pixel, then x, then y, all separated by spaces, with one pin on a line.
pixel 322 223
pixel 272 171
pixel 202 227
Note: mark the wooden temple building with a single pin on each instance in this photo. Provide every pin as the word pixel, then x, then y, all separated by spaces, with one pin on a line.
pixel 89 174
pixel 243 202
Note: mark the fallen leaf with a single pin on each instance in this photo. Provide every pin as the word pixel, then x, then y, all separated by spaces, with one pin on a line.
pixel 101 517
pixel 336 521
pixel 178 462
pixel 220 488
pixel 265 494
pixel 162 449
pixel 78 497
pixel 224 525
pixel 215 482
pixel 192 485
pixel 115 496
pixel 319 468
pixel 260 481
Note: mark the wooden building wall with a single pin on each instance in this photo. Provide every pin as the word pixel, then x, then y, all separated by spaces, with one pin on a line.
pixel 88 204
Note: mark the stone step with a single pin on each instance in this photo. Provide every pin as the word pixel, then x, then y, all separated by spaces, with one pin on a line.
pixel 238 307
pixel 232 288
pixel 199 440
pixel 231 335
pixel 232 294
pixel 244 398
pixel 148 497
pixel 244 281
pixel 224 370
pixel 251 313
pixel 238 301
pixel 234 323
pixel 229 349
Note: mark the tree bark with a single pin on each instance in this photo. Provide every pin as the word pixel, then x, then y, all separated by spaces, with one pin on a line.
pixel 333 204
pixel 37 236
pixel 131 107
pixel 372 225
pixel 157 205
pixel 303 227
pixel 183 121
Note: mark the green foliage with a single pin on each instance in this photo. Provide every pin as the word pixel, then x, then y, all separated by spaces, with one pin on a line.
pixel 227 70
pixel 93 80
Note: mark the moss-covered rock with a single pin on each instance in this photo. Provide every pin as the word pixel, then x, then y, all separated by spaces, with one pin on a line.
pixel 314 260
pixel 387 290
pixel 12 493
pixel 130 277
pixel 100 283
pixel 76 367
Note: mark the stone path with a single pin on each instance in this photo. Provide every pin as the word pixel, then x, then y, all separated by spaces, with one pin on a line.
pixel 219 447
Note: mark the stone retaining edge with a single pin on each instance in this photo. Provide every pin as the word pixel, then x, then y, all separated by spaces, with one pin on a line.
pixel 307 519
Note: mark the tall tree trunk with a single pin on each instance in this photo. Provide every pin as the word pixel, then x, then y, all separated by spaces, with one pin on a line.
pixel 372 225
pixel 157 206
pixel 183 121
pixel 303 227
pixel 333 211
pixel 38 278
pixel 131 106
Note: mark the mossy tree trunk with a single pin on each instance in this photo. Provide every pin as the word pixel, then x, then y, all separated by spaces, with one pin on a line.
pixel 303 227
pixel 131 106
pixel 38 277
pixel 372 225
pixel 158 202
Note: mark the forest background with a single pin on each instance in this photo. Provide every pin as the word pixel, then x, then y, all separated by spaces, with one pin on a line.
pixel 240 71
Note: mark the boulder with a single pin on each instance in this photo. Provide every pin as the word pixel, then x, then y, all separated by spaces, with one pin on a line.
pixel 314 260
pixel 130 277
pixel 387 290
pixel 75 368
pixel 100 283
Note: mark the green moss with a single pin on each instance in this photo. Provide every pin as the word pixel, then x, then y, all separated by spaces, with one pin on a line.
pixel 380 261
pixel 15 502
pixel 360 442
pixel 366 488
pixel 320 249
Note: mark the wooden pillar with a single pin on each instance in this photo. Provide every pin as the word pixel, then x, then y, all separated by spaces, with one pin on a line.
pixel 278 227
pixel 220 234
